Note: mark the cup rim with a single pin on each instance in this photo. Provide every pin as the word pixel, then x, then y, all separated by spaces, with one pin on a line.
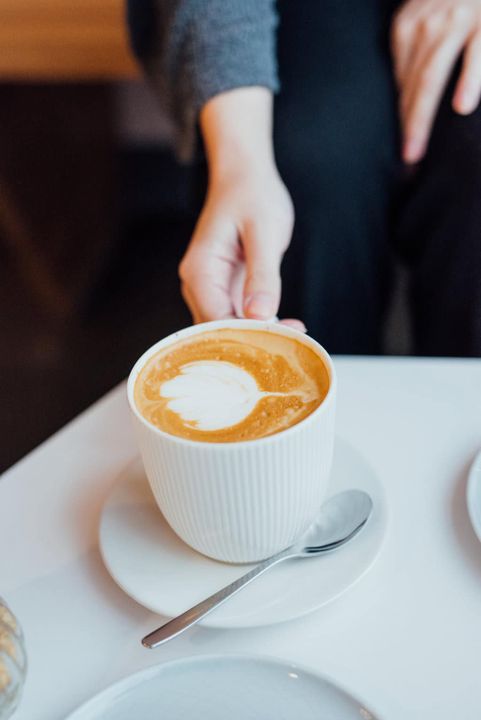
pixel 247 324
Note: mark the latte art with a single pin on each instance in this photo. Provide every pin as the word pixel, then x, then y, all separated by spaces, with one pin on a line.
pixel 213 394
pixel 229 385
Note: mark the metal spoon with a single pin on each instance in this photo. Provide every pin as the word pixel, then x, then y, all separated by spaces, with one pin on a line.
pixel 339 520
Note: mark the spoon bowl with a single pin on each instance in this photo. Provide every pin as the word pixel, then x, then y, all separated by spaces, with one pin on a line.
pixel 340 518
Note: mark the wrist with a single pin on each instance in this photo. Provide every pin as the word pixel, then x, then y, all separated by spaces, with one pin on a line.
pixel 237 131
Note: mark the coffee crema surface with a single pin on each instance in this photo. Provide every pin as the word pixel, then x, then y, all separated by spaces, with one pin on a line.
pixel 231 385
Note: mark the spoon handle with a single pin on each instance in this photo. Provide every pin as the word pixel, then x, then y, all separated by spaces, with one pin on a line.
pixel 177 625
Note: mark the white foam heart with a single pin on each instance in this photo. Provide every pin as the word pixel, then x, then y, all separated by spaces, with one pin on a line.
pixel 212 394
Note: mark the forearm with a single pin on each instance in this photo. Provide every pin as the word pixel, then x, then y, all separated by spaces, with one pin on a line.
pixel 237 131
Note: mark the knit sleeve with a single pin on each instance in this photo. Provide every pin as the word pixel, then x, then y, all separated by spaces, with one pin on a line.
pixel 193 50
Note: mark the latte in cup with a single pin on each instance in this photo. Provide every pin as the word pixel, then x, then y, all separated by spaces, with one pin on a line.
pixel 222 383
pixel 231 385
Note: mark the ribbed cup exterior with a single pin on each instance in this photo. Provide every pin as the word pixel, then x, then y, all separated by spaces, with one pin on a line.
pixel 240 502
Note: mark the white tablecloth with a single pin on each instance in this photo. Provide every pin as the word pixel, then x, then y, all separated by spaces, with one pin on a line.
pixel 406 638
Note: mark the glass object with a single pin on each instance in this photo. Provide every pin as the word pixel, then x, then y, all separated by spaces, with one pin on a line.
pixel 13 662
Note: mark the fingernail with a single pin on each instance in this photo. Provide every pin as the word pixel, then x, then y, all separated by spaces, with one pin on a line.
pixel 297 324
pixel 294 324
pixel 464 103
pixel 413 150
pixel 260 305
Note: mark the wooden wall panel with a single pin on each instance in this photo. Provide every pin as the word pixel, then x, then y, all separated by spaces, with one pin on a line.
pixel 66 40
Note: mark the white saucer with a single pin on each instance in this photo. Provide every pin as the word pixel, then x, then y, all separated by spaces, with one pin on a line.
pixel 224 686
pixel 158 570
pixel 473 495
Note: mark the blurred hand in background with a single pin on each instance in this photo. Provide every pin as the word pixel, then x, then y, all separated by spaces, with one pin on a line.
pixel 428 36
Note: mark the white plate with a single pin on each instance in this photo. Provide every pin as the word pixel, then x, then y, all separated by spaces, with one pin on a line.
pixel 473 495
pixel 158 570
pixel 224 686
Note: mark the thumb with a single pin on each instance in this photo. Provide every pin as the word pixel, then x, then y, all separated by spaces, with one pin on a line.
pixel 263 256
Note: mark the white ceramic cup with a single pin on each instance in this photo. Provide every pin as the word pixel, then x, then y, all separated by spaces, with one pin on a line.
pixel 239 501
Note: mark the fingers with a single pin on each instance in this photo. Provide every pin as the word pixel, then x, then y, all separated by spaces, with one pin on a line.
pixel 427 39
pixel 206 271
pixel 232 266
pixel 264 243
pixel 403 45
pixel 422 94
pixel 206 298
pixel 468 89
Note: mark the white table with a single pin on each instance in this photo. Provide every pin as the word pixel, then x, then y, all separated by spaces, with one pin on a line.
pixel 406 638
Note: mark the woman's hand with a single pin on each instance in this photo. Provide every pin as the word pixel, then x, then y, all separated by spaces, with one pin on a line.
pixel 428 36
pixel 232 265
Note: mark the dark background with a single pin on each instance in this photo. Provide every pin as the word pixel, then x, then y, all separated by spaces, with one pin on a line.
pixel 92 227
pixel 94 217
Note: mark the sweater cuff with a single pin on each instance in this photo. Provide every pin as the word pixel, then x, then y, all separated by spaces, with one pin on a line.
pixel 233 49
pixel 220 45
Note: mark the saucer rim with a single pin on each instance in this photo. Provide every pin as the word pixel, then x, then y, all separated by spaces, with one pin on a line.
pixel 210 621
pixel 132 679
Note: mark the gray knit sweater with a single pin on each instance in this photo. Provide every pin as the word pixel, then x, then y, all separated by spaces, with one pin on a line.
pixel 204 47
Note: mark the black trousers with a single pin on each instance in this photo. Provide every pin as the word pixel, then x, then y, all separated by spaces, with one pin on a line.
pixel 357 206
